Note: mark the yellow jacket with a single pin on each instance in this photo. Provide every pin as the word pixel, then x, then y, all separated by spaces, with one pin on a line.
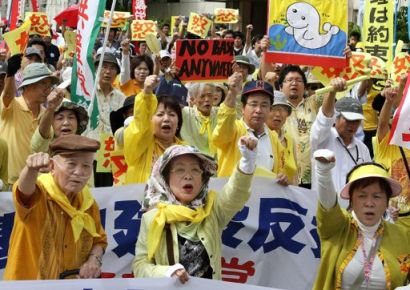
pixel 141 147
pixel 225 138
pixel 227 203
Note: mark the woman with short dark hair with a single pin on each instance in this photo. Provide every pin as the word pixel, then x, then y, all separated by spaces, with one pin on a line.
pixel 359 249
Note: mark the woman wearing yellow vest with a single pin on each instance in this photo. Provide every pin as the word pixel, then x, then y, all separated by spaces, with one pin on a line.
pixel 359 249
pixel 181 236
pixel 155 127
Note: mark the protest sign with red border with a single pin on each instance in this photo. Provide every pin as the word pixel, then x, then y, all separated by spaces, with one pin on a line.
pixel 202 60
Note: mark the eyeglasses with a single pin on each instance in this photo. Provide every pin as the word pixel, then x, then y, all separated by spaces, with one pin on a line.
pixel 262 106
pixel 181 171
pixel 298 81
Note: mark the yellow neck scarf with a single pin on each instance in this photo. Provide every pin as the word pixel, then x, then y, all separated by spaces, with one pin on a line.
pixel 79 218
pixel 171 213
pixel 206 127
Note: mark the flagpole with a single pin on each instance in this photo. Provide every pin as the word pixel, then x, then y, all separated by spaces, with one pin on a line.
pixel 97 74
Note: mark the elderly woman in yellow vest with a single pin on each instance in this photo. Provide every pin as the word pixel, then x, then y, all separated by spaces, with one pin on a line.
pixel 181 235
pixel 360 250
pixel 200 120
pixel 57 225
pixel 155 127
pixel 278 114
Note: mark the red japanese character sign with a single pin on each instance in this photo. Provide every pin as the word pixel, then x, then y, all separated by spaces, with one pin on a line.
pixel 379 70
pixel 401 65
pixel 118 166
pixel 103 155
pixel 119 19
pixel 39 23
pixel 17 39
pixel 140 28
pixel 223 15
pixel 359 65
pixel 199 25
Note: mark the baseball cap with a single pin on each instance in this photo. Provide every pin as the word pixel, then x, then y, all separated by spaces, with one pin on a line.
pixel 164 53
pixel 350 108
pixel 258 86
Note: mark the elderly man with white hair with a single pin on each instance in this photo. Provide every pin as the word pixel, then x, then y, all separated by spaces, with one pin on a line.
pixel 200 119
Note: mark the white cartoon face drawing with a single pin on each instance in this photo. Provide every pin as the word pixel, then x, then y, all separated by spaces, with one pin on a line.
pixel 297 17
pixel 304 25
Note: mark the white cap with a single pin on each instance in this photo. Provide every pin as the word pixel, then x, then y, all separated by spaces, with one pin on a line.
pixel 164 53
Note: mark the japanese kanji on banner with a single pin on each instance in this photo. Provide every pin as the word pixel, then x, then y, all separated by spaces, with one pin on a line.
pixel 378 29
pixel 140 28
pixel 312 32
pixel 103 156
pixel 276 229
pixel 39 23
pixel 17 39
pixel 400 128
pixel 139 9
pixel 199 25
pixel 401 65
pixel 119 18
pixel 359 65
pixel 224 15
pixel 118 166
pixel 204 60
pixel 378 68
pixel 83 73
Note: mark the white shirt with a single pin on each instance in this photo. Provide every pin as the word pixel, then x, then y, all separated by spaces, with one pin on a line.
pixel 265 155
pixel 354 268
pixel 324 136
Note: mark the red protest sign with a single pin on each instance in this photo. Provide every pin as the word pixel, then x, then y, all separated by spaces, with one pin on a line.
pixel 201 60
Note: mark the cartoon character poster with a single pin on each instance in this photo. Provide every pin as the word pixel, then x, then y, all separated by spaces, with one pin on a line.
pixel 310 32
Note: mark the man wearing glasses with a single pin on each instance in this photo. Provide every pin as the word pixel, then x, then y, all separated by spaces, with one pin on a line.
pixel 293 84
pixel 20 116
pixel 334 129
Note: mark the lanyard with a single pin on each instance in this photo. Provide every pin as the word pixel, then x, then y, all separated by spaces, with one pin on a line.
pixel 348 151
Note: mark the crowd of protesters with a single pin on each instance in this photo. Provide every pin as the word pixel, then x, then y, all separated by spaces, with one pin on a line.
pixel 264 119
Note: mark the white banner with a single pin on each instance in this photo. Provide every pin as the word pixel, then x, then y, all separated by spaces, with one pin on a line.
pixel 272 242
pixel 400 128
pixel 126 284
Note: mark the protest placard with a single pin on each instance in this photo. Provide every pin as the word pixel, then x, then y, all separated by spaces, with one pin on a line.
pixel 17 39
pixel 140 28
pixel 39 23
pixel 203 60
pixel 119 18
pixel 313 32
pixel 224 15
pixel 199 25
